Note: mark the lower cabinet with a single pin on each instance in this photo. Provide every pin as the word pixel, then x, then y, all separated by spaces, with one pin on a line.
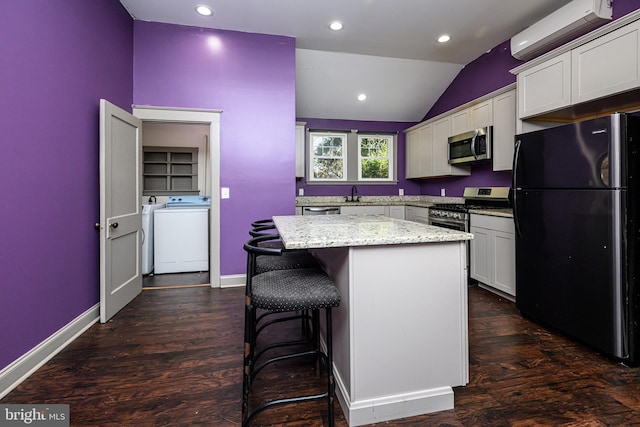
pixel 394 212
pixel 362 210
pixel 417 214
pixel 493 253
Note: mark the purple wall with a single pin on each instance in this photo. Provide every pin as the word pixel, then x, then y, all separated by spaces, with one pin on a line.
pixel 410 187
pixel 484 75
pixel 251 77
pixel 59 57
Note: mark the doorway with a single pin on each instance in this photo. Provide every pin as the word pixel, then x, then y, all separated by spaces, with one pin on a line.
pixel 155 118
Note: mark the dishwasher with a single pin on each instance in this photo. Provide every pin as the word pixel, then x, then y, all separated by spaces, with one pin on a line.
pixel 321 210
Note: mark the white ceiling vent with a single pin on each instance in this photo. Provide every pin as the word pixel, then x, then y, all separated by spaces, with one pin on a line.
pixel 559 27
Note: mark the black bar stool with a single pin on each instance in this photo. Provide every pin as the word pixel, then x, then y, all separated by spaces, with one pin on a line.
pixel 298 290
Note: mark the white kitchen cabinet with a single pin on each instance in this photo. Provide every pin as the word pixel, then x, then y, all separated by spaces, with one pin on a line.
pixel 300 143
pixel 607 65
pixel 504 130
pixel 481 114
pixel 473 117
pixel 460 122
pixel 441 166
pixel 410 213
pixel 412 153
pixel 417 214
pixel 545 87
pixel 362 210
pixel 492 253
pixel 418 152
pixel 394 212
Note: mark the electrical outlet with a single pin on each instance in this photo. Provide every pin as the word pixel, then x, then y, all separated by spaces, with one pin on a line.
pixel 300 191
pixel 443 192
pixel 401 192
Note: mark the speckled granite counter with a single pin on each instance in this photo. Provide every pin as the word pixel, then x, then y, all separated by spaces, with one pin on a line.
pixel 330 231
pixel 420 201
pixel 404 307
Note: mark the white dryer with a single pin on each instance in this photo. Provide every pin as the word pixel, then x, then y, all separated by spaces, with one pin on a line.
pixel 181 235
pixel 147 236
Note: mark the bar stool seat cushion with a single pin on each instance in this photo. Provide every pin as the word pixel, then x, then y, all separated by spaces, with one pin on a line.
pixel 288 260
pixel 292 290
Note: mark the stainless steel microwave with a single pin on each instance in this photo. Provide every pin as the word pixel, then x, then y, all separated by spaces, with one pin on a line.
pixel 470 147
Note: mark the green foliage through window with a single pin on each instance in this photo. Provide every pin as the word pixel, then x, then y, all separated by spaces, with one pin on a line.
pixel 374 158
pixel 328 156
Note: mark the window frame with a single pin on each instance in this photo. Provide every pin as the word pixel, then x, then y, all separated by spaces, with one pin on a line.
pixel 390 157
pixel 351 170
pixel 313 156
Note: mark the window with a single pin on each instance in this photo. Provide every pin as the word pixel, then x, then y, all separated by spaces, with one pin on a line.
pixel 374 158
pixel 335 157
pixel 328 156
pixel 170 171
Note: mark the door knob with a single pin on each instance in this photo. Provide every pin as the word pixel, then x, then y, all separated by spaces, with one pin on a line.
pixel 113 225
pixel 97 226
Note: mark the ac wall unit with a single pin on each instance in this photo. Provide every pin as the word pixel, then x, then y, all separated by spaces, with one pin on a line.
pixel 569 21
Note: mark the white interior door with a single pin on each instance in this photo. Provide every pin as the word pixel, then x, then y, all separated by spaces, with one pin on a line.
pixel 120 210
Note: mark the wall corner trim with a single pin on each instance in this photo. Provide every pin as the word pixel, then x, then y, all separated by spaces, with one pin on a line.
pixel 20 369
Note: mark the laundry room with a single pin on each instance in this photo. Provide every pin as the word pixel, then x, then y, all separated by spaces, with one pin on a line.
pixel 175 204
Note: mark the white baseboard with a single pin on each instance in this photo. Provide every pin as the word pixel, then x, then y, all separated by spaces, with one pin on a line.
pixel 232 280
pixel 388 408
pixel 28 363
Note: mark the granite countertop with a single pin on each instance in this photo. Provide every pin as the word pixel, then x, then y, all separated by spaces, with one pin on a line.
pixel 420 201
pixel 332 231
pixel 506 213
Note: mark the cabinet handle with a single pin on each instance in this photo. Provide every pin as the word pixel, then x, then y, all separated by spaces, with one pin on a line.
pixel 113 225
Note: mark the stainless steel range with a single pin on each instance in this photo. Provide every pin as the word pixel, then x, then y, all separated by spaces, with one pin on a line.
pixel 456 215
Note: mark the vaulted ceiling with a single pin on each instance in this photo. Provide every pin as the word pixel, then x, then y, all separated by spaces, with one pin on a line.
pixel 387 49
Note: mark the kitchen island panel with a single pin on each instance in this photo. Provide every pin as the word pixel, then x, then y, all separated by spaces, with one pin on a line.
pixel 400 333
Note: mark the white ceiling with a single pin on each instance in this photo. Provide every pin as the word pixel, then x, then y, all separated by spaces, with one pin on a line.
pixel 387 48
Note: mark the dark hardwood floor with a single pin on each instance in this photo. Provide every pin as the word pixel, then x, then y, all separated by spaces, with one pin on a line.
pixel 173 357
pixel 175 279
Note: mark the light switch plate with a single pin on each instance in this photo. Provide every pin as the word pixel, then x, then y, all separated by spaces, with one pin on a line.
pixel 224 192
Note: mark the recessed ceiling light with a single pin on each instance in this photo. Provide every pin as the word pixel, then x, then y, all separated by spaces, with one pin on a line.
pixel 444 38
pixel 335 25
pixel 362 97
pixel 204 10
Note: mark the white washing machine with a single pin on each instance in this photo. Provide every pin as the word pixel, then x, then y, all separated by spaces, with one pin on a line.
pixel 181 235
pixel 147 235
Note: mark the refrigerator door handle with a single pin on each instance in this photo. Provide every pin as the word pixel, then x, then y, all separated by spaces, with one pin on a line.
pixel 514 188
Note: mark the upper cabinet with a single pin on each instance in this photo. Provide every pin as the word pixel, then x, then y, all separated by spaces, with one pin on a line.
pixel 481 114
pixel 427 143
pixel 606 65
pixel 300 144
pixel 545 87
pixel 504 130
pixel 441 167
pixel 419 152
pixel 595 74
pixel 478 115
pixel 460 122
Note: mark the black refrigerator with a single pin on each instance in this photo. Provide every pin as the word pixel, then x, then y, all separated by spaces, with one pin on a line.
pixel 575 198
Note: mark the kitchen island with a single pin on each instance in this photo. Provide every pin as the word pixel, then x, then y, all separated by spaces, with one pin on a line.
pixel 400 333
